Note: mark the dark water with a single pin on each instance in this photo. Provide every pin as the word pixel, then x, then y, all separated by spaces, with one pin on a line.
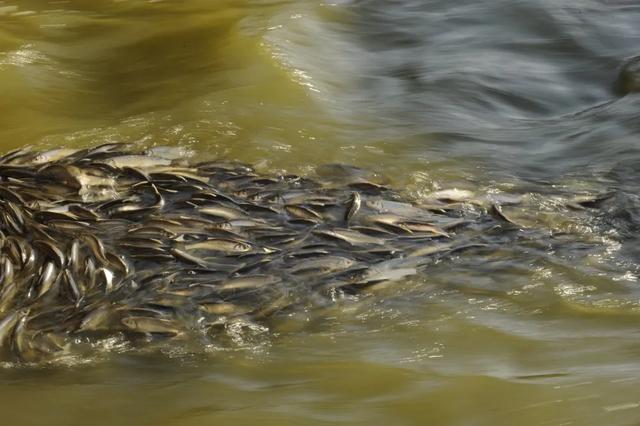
pixel 532 81
pixel 494 97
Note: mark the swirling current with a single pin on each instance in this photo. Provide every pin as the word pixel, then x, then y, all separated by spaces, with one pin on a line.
pixel 510 128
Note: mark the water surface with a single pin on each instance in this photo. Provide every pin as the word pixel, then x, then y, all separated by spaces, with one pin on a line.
pixel 491 96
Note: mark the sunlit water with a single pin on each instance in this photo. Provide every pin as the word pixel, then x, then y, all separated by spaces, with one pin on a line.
pixel 489 96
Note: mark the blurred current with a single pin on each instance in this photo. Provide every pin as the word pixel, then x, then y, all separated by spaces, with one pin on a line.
pixel 511 99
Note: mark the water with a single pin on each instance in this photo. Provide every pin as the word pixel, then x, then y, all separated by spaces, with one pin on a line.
pixel 489 96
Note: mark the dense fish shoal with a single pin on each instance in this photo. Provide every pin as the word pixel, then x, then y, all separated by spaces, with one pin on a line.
pixel 148 245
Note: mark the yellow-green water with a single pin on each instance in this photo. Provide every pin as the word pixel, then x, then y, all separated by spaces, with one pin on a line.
pixel 487 96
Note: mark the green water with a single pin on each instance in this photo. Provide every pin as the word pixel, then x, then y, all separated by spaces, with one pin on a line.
pixel 415 91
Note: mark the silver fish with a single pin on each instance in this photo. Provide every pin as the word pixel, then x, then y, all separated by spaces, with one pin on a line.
pixel 353 206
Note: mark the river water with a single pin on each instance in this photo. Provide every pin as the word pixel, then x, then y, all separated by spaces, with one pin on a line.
pixel 495 97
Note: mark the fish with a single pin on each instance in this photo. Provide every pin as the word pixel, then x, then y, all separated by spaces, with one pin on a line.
pixel 9 322
pixel 247 282
pixel 223 308
pixel 110 241
pixel 353 206
pixel 151 325
pixel 322 265
pixel 48 276
pixel 220 244
pixel 301 212
pixel 350 237
pixel 222 212
pixel 8 286
pixel 143 162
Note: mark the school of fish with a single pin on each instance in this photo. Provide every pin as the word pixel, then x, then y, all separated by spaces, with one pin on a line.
pixel 152 245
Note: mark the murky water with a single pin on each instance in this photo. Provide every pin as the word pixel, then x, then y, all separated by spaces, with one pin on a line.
pixel 489 96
